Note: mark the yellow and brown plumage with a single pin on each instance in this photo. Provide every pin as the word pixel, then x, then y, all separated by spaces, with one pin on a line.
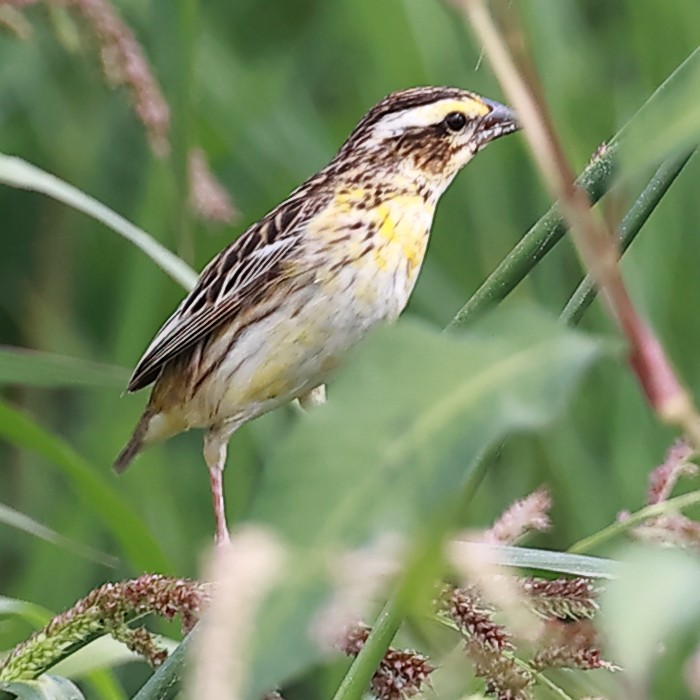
pixel 276 311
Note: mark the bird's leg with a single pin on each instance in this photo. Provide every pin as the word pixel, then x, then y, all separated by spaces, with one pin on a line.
pixel 215 445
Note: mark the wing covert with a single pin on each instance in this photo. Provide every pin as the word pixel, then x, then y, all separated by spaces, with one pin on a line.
pixel 224 287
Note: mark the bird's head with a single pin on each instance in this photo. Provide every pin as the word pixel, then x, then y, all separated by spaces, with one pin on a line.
pixel 429 132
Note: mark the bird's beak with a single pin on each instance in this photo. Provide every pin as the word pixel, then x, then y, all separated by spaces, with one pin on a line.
pixel 500 121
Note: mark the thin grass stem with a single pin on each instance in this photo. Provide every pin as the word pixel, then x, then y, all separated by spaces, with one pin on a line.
pixel 596 180
pixel 631 225
pixel 673 505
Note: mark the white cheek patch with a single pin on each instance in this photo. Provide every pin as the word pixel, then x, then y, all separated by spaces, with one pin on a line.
pixel 426 115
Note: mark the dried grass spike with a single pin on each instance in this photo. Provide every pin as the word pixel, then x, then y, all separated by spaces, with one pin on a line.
pixel 208 198
pixel 125 63
pixel 141 642
pixel 571 645
pixel 401 673
pixel 664 477
pixel 562 598
pixel 474 619
pixel 505 680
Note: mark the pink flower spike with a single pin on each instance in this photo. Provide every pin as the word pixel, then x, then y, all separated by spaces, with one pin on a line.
pixel 522 516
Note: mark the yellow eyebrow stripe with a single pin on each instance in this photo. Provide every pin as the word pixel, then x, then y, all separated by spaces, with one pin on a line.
pixel 439 110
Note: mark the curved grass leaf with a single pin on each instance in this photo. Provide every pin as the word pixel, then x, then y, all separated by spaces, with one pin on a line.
pixel 44 688
pixel 134 537
pixel 548 560
pixel 19 366
pixel 405 420
pixel 18 173
pixel 388 456
pixel 36 615
pixel 669 120
pixel 21 521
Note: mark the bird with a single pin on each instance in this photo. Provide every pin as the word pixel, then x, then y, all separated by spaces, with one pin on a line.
pixel 274 314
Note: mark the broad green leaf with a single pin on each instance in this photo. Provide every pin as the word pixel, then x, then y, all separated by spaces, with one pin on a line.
pixel 389 451
pixel 97 494
pixel 18 173
pixel 21 521
pixel 668 122
pixel 404 421
pixel 656 592
pixel 19 366
pixel 44 688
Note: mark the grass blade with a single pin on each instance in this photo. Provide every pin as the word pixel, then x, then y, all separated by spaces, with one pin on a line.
pixel 134 537
pixel 19 366
pixel 631 225
pixel 671 506
pixel 549 560
pixel 36 615
pixel 21 521
pixel 668 121
pixel 18 173
pixel 596 180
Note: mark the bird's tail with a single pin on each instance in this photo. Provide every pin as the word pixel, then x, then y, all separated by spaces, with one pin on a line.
pixel 135 444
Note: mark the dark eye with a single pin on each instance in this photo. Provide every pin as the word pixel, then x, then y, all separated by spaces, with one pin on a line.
pixel 455 121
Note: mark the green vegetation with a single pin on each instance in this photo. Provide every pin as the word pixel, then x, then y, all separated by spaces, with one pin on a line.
pixel 425 432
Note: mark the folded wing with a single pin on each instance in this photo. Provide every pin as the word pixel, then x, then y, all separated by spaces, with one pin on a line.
pixel 225 286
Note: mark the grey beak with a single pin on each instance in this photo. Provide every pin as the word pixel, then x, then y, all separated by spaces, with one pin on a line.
pixel 500 121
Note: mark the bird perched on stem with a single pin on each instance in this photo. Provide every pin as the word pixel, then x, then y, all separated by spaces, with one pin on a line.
pixel 275 312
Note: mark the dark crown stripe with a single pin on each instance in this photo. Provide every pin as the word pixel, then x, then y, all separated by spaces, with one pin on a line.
pixel 408 99
pixel 397 102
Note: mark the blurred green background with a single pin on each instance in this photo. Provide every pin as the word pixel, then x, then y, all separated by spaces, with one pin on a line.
pixel 269 91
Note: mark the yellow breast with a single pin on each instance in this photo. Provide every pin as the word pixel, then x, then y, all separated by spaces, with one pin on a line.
pixel 404 224
pixel 400 225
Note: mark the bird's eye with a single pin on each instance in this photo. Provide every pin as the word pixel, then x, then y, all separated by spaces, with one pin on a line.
pixel 455 121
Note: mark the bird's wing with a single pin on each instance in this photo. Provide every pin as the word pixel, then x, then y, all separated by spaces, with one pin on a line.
pixel 226 285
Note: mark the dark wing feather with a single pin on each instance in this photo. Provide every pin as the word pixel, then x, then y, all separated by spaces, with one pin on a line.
pixel 225 286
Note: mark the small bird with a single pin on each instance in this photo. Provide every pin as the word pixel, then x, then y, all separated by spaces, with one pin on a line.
pixel 275 312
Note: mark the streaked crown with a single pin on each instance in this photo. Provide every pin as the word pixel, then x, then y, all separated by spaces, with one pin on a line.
pixel 435 130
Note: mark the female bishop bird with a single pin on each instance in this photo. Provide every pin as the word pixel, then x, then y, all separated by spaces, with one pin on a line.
pixel 276 311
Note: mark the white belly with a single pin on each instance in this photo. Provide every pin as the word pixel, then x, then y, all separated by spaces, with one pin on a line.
pixel 317 318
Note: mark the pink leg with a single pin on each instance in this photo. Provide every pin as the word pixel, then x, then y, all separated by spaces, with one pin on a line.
pixel 217 494
pixel 215 456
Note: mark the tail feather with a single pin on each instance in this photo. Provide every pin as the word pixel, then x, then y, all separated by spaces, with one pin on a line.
pixel 135 444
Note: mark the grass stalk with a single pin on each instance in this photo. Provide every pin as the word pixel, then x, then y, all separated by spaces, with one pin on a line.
pixel 596 180
pixel 671 506
pixel 594 242
pixel 359 675
pixel 631 225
